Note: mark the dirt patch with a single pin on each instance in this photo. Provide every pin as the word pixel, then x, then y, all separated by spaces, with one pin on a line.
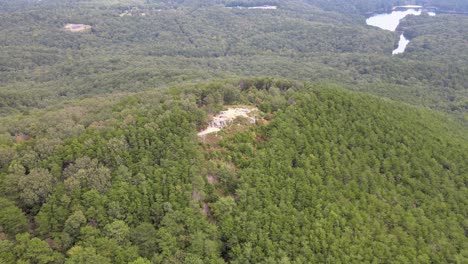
pixel 77 27
pixel 20 137
pixel 264 7
pixel 212 179
pixel 206 210
pixel 224 118
pixel 134 11
pixel 196 195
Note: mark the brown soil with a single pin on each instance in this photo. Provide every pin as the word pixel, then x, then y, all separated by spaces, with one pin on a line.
pixel 212 179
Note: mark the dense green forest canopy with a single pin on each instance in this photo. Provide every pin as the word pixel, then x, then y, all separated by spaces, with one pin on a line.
pixel 169 42
pixel 101 160
pixel 325 175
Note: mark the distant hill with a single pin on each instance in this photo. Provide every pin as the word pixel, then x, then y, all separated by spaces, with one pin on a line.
pixel 175 42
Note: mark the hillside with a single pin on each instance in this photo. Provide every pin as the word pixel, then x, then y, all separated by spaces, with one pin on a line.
pixel 138 45
pixel 326 175
pixel 233 131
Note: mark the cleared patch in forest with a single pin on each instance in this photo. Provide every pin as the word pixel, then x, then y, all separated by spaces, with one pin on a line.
pixel 77 27
pixel 264 7
pixel 224 118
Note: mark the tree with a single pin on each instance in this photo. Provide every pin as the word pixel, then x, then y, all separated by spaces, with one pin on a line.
pixel 35 251
pixel 144 236
pixel 7 253
pixel 85 255
pixel 53 213
pixel 12 219
pixel 74 223
pixel 35 186
pixel 141 261
pixel 6 156
pixel 117 230
pixel 87 173
pixel 223 207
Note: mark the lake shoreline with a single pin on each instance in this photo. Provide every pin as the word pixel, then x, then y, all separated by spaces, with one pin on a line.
pixel 391 20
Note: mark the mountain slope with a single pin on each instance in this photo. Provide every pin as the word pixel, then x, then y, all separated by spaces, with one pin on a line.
pixel 325 176
pixel 341 178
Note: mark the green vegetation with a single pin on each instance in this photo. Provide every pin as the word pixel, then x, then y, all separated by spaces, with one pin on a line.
pixel 338 179
pixel 334 177
pixel 185 42
pixel 100 161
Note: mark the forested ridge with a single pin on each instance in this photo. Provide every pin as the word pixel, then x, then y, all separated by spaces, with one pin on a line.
pixel 347 154
pixel 191 41
pixel 324 176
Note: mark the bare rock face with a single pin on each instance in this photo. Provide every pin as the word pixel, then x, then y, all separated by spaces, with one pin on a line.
pixel 225 117
pixel 77 27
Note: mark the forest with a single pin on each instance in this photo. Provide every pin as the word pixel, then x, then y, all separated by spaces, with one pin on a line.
pixel 354 155
pixel 42 64
pixel 325 175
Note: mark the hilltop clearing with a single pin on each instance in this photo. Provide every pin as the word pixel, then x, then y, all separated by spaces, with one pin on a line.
pixel 334 176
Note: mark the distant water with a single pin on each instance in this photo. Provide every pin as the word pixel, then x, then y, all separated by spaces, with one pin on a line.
pixel 401 45
pixel 391 21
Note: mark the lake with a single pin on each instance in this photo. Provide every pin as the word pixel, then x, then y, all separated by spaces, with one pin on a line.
pixel 390 21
